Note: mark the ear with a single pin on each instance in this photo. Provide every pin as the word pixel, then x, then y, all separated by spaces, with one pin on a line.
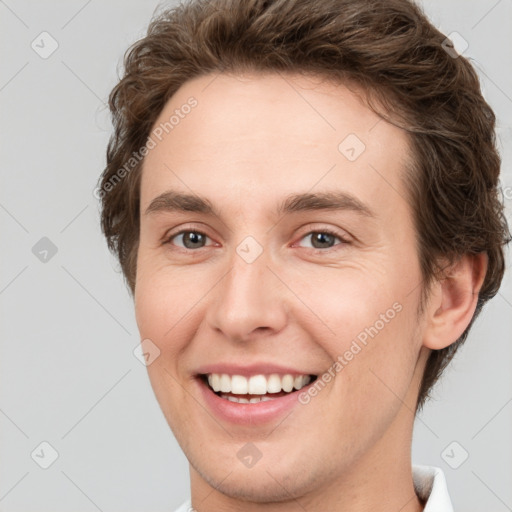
pixel 452 301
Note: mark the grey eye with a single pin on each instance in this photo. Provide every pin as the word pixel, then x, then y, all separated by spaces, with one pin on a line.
pixel 320 240
pixel 191 239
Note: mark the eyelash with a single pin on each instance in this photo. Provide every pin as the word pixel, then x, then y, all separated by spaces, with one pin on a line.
pixel 343 241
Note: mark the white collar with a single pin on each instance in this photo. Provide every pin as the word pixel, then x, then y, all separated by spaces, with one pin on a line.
pixel 429 484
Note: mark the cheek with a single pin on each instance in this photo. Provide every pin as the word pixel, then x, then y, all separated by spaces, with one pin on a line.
pixel 366 321
pixel 162 303
pixel 346 301
pixel 164 310
pixel 170 304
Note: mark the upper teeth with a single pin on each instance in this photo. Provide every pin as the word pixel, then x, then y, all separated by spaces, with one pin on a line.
pixel 257 384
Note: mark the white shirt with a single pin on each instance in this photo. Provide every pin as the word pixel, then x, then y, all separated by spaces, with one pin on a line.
pixel 429 484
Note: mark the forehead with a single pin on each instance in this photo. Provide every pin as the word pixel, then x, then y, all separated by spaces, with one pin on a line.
pixel 261 135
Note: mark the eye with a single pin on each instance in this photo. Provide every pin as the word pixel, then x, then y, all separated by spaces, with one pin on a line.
pixel 188 239
pixel 324 239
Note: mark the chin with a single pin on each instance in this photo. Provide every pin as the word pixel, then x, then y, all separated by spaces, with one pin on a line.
pixel 262 485
pixel 275 479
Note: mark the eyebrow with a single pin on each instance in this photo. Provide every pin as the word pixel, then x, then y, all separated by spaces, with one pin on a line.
pixel 335 200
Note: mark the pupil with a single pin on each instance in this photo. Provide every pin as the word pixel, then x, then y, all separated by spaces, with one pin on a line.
pixel 192 240
pixel 322 240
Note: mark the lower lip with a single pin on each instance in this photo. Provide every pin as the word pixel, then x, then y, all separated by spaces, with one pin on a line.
pixel 249 414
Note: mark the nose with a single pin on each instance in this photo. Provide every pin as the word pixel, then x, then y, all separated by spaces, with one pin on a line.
pixel 249 301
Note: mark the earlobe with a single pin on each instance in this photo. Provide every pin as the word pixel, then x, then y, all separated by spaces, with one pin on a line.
pixel 453 301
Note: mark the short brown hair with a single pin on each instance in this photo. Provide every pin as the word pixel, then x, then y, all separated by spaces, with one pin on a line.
pixel 389 49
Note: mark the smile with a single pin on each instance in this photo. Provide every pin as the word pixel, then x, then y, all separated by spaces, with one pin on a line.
pixel 255 388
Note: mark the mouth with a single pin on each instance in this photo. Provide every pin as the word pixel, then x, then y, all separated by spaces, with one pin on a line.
pixel 257 388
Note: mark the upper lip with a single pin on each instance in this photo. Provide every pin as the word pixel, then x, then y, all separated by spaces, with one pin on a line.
pixel 250 369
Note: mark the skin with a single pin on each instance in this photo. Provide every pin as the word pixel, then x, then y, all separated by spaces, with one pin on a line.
pixel 250 142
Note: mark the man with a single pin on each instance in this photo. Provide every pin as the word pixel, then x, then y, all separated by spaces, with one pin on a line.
pixel 304 201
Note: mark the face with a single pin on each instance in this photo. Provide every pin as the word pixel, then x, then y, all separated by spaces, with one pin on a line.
pixel 277 262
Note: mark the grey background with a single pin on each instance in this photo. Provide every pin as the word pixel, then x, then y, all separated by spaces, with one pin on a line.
pixel 68 375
